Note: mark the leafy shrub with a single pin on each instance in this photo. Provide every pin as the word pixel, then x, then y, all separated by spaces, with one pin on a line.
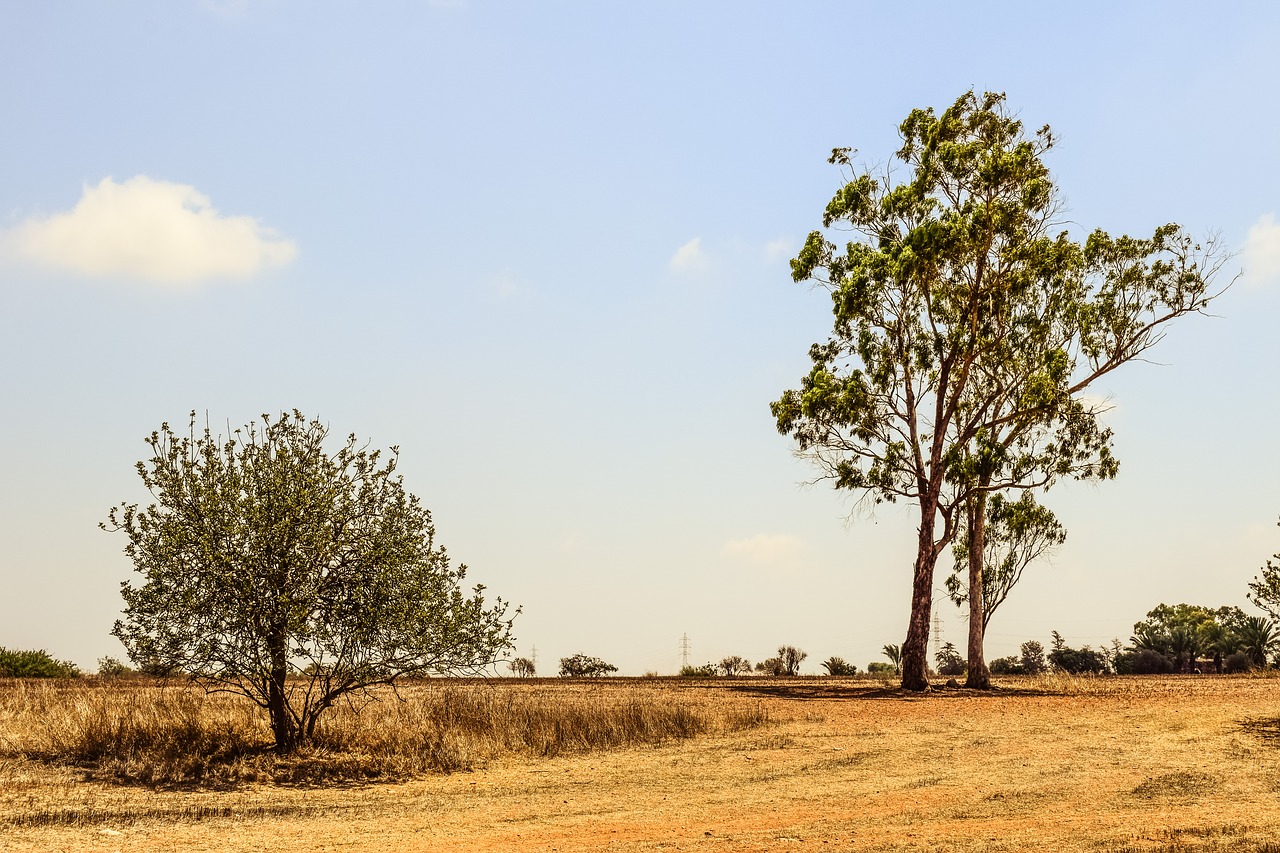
pixel 707 670
pixel 109 667
pixel 34 664
pixel 1238 662
pixel 1075 661
pixel 1150 662
pixel 1007 666
pixel 838 666
pixel 584 666
pixel 878 667
pixel 771 666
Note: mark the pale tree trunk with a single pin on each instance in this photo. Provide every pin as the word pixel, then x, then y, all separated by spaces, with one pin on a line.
pixel 915 649
pixel 976 513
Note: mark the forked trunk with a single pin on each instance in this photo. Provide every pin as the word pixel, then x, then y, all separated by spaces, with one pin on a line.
pixel 979 676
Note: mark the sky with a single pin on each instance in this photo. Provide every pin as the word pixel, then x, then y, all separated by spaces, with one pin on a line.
pixel 543 249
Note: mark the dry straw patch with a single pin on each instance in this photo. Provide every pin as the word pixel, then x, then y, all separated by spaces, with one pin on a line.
pixel 176 734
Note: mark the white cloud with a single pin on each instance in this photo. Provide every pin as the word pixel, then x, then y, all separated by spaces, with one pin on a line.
pixel 765 548
pixel 1262 252
pixel 506 286
pixel 689 257
pixel 161 232
pixel 778 248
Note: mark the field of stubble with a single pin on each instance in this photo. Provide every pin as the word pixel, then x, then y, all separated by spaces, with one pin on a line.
pixel 1107 764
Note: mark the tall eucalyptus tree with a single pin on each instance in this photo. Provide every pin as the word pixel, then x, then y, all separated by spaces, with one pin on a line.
pixel 966 331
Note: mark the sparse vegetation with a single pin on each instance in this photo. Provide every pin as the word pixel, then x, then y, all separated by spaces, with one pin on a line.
pixel 706 670
pixel 523 668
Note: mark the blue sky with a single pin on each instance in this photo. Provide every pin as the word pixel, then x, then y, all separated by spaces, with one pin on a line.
pixel 543 248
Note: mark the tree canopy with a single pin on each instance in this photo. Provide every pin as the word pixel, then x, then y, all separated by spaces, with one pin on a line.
pixel 292 575
pixel 966 329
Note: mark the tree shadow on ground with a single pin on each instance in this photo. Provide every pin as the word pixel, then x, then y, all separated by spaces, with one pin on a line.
pixel 819 691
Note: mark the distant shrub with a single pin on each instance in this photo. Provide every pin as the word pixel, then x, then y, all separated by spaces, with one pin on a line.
pixel 839 666
pixel 1075 661
pixel 109 667
pixel 1033 661
pixel 34 664
pixel 1238 662
pixel 786 663
pixel 1007 666
pixel 771 666
pixel 707 670
pixel 735 665
pixel 523 668
pixel 879 667
pixel 1150 662
pixel 584 666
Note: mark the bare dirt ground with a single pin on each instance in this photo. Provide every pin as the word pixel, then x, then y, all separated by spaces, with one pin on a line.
pixel 1109 764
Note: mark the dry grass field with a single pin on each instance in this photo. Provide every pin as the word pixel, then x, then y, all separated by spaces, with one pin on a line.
pixel 810 764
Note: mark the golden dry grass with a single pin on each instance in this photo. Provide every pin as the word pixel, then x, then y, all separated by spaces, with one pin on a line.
pixel 1079 764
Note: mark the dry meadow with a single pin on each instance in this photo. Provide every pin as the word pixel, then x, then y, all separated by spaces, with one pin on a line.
pixel 809 764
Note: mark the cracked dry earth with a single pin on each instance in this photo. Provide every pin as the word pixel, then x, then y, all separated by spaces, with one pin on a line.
pixel 1110 764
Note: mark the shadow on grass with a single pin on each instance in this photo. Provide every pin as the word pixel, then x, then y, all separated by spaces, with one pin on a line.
pixel 802 689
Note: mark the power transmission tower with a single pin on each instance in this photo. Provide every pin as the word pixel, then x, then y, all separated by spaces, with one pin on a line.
pixel 534 655
pixel 684 650
pixel 937 631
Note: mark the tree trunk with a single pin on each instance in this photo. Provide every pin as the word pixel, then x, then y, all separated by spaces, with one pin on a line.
pixel 282 726
pixel 979 676
pixel 915 649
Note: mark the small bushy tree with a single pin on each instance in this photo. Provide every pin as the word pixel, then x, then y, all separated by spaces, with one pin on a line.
pixel 523 668
pixel 584 666
pixel 949 660
pixel 109 667
pixel 291 574
pixel 1033 660
pixel 880 668
pixel 16 663
pixel 735 665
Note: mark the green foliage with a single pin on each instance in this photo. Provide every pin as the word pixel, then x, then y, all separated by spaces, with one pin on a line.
pixel 291 575
pixel 1033 660
pixel 1237 662
pixel 16 663
pixel 1075 661
pixel 1016 533
pixel 838 666
pixel 894 653
pixel 1007 666
pixel 1150 662
pixel 1183 632
pixel 1258 638
pixel 523 668
pixel 735 665
pixel 584 666
pixel 109 667
pixel 1264 590
pixel 965 332
pixel 879 667
pixel 950 661
pixel 707 670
